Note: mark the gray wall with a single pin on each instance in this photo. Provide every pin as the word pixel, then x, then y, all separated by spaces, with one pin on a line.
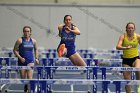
pixel 100 26
pixel 70 1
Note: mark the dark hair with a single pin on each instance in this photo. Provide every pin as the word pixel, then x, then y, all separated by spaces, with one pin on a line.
pixel 130 23
pixel 65 17
pixel 27 27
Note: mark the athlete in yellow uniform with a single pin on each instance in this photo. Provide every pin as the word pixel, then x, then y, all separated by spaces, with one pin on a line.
pixel 132 52
pixel 128 42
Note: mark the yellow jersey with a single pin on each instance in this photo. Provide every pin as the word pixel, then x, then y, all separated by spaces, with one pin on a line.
pixel 132 52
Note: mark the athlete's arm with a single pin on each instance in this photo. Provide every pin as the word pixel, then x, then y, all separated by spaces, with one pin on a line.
pixel 15 50
pixel 35 51
pixel 75 30
pixel 60 29
pixel 138 37
pixel 120 46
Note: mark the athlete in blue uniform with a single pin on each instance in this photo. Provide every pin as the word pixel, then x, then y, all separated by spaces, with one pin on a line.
pixel 27 52
pixel 68 32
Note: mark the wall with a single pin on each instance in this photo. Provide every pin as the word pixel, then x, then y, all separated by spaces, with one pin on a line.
pixel 70 1
pixel 100 25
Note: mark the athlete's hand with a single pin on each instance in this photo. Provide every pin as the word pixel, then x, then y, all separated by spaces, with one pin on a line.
pixel 128 47
pixel 36 61
pixel 22 60
pixel 67 28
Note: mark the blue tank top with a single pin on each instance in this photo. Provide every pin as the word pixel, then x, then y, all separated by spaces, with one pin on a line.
pixel 67 38
pixel 26 50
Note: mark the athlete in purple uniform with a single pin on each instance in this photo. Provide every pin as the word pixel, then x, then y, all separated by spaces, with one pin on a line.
pixel 68 32
pixel 27 52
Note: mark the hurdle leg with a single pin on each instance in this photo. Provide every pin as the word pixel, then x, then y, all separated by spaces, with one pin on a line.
pixel 49 72
pixel 0 73
pixel 88 74
pixel 38 87
pixel 10 54
pixel 32 86
pixel 105 86
pixel 7 73
pixel 8 61
pixel 39 72
pixel 94 71
pixel 132 75
pixel 49 89
pixel 118 86
pixel 103 73
pixel 51 62
pixel 89 62
pixel 44 61
pixel 0 78
pixel 94 87
pixel 43 87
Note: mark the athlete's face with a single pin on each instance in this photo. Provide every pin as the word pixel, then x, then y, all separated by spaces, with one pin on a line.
pixel 27 32
pixel 130 29
pixel 68 21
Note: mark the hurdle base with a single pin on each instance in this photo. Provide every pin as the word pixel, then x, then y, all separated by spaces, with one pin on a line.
pixel 15 91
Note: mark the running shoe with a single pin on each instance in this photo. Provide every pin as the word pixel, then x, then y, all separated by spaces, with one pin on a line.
pixel 61 51
pixel 26 88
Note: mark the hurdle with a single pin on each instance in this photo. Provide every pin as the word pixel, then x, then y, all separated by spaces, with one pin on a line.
pixel 94 69
pixel 52 62
pixel 52 53
pixel 7 53
pixel 48 71
pixel 89 69
pixel 7 61
pixel 44 82
pixel 49 75
pixel 89 62
pixel 104 82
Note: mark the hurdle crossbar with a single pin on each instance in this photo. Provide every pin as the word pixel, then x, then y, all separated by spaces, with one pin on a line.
pixel 67 81
pixel 71 68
